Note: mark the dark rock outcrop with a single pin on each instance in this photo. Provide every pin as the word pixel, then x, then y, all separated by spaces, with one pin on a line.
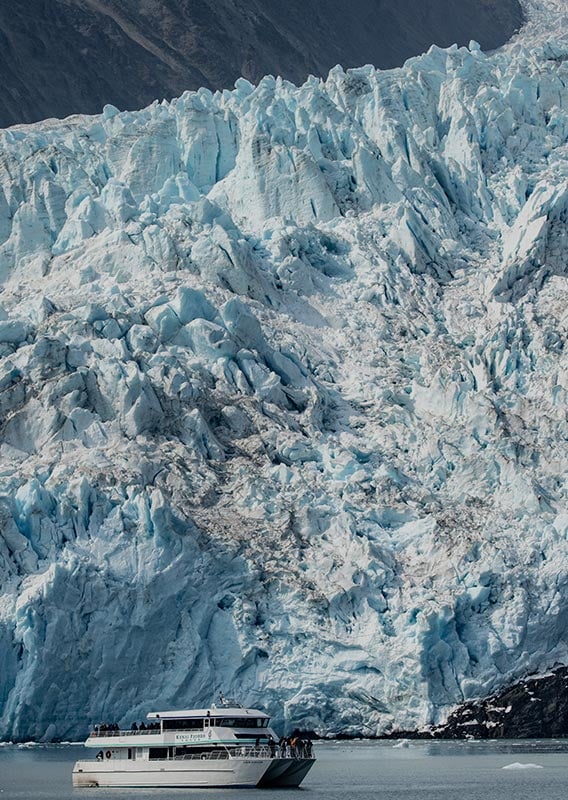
pixel 531 709
pixel 59 57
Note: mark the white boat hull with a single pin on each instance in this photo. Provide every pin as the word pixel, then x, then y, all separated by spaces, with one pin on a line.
pixel 230 773
pixel 286 772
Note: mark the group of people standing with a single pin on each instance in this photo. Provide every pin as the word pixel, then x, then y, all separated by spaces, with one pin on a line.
pixel 113 726
pixel 290 747
pixel 151 726
pixel 105 727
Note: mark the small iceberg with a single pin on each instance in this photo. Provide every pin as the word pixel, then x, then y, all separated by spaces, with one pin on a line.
pixel 402 744
pixel 518 765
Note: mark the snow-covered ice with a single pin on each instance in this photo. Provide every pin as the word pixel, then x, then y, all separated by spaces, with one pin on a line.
pixel 520 765
pixel 544 20
pixel 283 386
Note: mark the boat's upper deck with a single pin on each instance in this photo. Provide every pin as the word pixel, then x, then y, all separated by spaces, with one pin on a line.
pixel 212 726
pixel 213 713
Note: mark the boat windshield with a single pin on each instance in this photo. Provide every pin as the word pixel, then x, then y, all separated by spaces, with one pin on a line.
pixel 182 724
pixel 197 723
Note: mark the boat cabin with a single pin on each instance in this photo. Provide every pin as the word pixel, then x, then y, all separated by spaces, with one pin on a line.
pixel 210 718
pixel 187 734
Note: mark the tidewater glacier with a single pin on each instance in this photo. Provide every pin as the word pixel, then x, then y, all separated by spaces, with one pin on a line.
pixel 283 388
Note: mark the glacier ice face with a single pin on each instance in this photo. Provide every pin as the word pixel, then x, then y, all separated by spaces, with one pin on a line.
pixel 283 392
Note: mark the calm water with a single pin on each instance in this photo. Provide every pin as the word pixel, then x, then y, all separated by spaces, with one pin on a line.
pixel 358 770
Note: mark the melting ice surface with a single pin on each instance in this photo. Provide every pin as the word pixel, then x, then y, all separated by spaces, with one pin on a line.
pixel 283 389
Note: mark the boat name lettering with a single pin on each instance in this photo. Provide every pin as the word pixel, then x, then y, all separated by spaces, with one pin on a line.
pixel 188 737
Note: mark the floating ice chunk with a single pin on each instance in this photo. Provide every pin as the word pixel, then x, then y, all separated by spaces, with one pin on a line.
pixel 519 765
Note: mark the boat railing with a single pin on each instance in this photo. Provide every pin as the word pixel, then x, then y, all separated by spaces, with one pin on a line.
pixel 236 751
pixel 240 751
pixel 104 734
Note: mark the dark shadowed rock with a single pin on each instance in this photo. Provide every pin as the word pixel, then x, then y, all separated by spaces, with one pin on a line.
pixel 531 709
pixel 59 57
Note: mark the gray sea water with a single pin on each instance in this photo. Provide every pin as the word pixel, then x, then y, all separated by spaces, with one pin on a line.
pixel 359 770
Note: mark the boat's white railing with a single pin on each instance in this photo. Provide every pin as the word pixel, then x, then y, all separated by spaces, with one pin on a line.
pixel 103 734
pixel 241 751
pixel 234 751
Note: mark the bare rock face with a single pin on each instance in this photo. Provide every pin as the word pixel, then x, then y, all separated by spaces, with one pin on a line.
pixel 60 57
pixel 533 708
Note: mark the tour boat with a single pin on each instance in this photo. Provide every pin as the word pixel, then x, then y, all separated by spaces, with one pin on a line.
pixel 220 746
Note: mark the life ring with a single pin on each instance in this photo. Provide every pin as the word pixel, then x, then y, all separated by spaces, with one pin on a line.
pixel 108 754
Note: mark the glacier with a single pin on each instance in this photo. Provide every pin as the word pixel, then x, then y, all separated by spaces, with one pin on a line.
pixel 283 388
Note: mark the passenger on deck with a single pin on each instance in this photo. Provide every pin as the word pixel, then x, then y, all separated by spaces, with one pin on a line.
pixel 134 726
pixel 142 726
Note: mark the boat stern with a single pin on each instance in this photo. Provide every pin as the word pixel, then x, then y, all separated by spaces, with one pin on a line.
pixel 286 772
pixel 82 775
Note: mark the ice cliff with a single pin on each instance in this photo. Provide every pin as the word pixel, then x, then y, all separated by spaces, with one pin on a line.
pixel 283 392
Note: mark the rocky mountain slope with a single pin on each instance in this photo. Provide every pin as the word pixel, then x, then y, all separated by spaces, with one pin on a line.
pixel 60 57
pixel 283 387
pixel 533 708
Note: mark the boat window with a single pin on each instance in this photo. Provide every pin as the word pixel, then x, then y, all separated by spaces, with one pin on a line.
pixel 241 722
pixel 190 752
pixel 182 724
pixel 158 753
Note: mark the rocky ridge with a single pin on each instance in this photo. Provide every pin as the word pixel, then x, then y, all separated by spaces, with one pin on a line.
pixel 60 57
